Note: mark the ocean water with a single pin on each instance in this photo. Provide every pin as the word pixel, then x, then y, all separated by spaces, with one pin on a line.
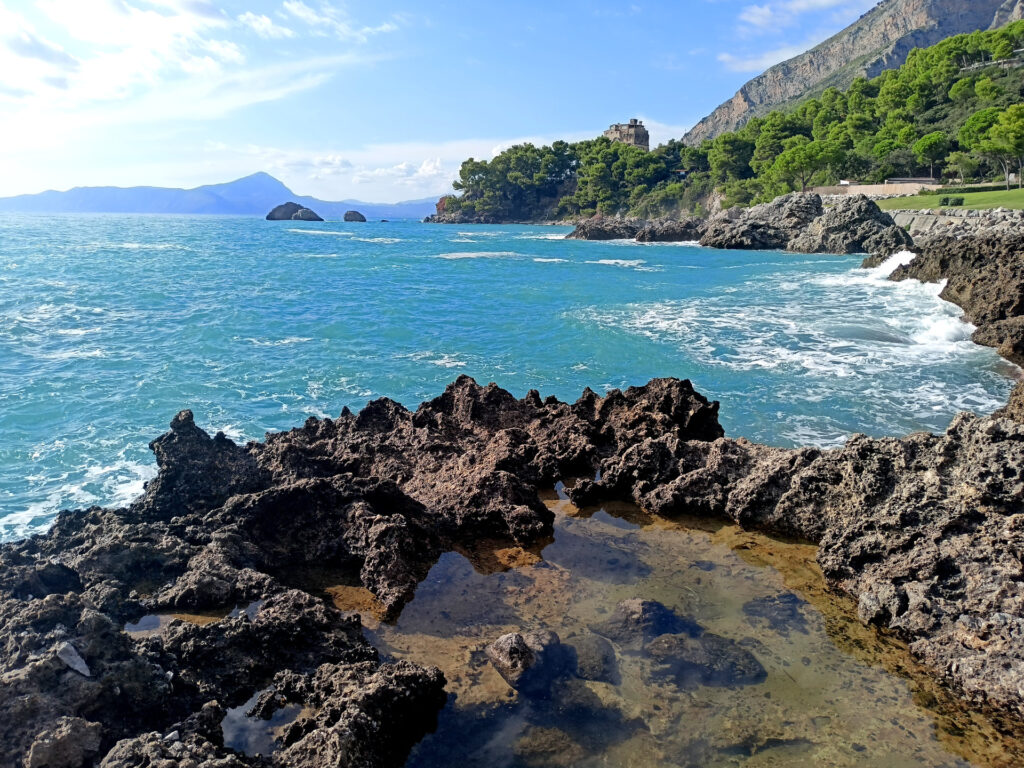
pixel 111 324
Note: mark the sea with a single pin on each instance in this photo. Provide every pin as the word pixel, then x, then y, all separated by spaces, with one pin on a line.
pixel 111 324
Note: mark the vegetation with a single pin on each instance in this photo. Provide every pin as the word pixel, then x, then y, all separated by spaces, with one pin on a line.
pixel 977 201
pixel 953 109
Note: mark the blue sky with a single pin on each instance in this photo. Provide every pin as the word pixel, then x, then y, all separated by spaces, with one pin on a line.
pixel 376 101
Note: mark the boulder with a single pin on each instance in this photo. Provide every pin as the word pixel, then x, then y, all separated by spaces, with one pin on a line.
pixel 595 659
pixel 354 216
pixel 292 212
pixel 768 226
pixel 530 662
pixel 606 228
pixel 853 225
pixel 71 743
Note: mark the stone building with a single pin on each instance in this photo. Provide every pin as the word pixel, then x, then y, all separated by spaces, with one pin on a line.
pixel 632 132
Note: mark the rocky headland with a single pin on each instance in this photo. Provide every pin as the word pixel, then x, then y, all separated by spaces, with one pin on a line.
pixel 795 222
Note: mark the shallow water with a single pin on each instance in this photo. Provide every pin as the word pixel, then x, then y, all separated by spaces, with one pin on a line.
pixel 835 693
pixel 111 324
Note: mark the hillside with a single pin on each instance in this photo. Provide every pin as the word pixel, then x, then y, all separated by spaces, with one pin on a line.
pixel 881 39
pixel 252 195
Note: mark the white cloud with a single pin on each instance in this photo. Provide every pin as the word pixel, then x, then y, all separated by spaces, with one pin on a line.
pixel 776 14
pixel 329 20
pixel 264 26
pixel 761 61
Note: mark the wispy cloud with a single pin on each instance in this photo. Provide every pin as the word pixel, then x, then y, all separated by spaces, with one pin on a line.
pixel 777 14
pixel 264 26
pixel 761 61
pixel 326 19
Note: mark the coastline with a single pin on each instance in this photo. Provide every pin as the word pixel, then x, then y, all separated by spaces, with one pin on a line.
pixel 190 538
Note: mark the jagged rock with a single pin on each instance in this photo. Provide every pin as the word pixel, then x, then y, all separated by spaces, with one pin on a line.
pixel 635 622
pixel 853 225
pixel 354 216
pixel 1015 408
pixel 769 226
pixel 72 743
pixel 66 652
pixel 1007 336
pixel 606 228
pixel 292 212
pixel 672 231
pixel 530 662
pixel 707 659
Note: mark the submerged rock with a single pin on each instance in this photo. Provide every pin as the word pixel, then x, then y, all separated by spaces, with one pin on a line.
pixel 292 212
pixel 595 659
pixel 636 622
pixel 780 613
pixel 707 659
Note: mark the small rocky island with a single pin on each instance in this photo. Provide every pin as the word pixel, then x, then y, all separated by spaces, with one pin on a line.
pixel 354 216
pixel 292 212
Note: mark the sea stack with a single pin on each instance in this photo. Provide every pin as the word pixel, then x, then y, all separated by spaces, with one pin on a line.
pixel 292 212
pixel 354 216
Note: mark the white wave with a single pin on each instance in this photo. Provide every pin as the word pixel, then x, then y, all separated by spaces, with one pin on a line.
pixel 279 342
pixel 619 262
pixel 462 240
pixel 336 233
pixel 76 331
pixel 887 267
pixel 74 354
pixel 550 261
pixel 378 239
pixel 540 237
pixel 479 255
pixel 448 361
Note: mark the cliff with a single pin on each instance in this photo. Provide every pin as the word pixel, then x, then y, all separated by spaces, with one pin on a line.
pixel 881 39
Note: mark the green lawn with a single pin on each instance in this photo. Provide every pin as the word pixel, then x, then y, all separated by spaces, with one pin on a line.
pixel 974 200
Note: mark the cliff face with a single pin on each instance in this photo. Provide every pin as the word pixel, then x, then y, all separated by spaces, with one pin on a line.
pixel 881 39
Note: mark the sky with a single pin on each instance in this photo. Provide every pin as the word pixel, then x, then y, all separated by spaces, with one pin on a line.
pixel 378 101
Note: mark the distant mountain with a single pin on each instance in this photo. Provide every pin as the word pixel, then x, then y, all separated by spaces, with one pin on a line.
pixel 879 40
pixel 252 195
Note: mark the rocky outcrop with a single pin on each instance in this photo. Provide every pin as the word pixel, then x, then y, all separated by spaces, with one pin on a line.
pixel 985 277
pixel 354 216
pixel 607 228
pixel 879 40
pixel 769 226
pixel 292 212
pixel 672 231
pixel 531 662
pixel 853 225
pixel 373 497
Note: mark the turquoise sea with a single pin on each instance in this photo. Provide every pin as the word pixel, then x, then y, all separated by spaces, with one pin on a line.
pixel 111 324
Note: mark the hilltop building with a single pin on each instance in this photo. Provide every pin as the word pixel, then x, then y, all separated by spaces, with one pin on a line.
pixel 632 132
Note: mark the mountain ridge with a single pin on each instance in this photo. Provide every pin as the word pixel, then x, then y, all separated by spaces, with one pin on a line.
pixel 251 195
pixel 880 39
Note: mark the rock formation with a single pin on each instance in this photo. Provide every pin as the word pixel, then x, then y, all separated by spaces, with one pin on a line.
pixel 769 226
pixel 607 228
pixel 354 216
pixel 672 231
pixel 292 212
pixel 853 225
pixel 879 40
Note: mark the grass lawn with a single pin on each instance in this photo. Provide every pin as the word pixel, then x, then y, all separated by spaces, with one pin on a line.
pixel 975 200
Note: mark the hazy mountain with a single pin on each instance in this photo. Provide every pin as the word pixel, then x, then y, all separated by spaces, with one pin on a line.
pixel 252 195
pixel 879 40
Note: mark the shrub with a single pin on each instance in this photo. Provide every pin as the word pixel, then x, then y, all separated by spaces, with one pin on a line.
pixel 951 202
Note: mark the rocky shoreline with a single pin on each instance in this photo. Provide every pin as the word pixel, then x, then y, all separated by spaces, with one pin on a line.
pixel 925 533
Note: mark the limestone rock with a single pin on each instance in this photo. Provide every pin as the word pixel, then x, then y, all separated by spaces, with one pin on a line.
pixel 530 662
pixel 606 228
pixel 671 231
pixel 71 743
pixel 769 226
pixel 354 216
pixel 853 225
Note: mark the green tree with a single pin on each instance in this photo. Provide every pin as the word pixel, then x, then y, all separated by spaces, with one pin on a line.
pixel 1004 142
pixel 802 159
pixel 964 163
pixel 986 90
pixel 976 126
pixel 930 149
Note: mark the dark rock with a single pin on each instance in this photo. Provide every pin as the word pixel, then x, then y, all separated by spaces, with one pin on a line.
pixel 1007 336
pixel 595 659
pixel 606 228
pixel 672 231
pixel 354 216
pixel 853 225
pixel 72 743
pixel 292 212
pixel 707 659
pixel 635 622
pixel 530 662
pixel 769 226
pixel 780 613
